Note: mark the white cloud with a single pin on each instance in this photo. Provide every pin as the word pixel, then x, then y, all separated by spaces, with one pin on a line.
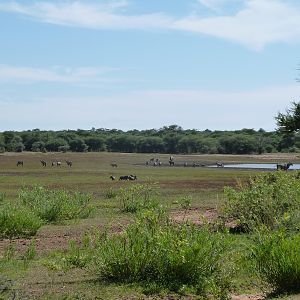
pixel 94 16
pixel 255 25
pixel 259 23
pixel 152 109
pixel 55 74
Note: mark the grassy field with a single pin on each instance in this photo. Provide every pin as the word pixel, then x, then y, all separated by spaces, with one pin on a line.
pixel 91 173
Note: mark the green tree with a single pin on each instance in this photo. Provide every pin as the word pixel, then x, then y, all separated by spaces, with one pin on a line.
pixel 95 143
pixel 54 144
pixel 290 121
pixel 78 145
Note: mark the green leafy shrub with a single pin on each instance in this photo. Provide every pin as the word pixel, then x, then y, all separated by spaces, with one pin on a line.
pixel 276 258
pixel 110 193
pixel 266 200
pixel 155 251
pixel 56 205
pixel 138 197
pixel 18 222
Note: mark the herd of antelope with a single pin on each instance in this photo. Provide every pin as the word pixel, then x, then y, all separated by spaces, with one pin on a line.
pixel 56 163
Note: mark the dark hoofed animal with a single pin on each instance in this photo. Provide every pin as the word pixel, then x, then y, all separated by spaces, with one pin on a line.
pixel 69 163
pixel 20 163
pixel 171 163
pixel 128 177
pixel 114 165
pixel 220 165
pixel 44 164
pixel 283 167
pixel 112 178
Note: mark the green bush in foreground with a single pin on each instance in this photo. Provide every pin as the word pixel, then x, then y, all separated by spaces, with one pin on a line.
pixel 56 205
pixel 276 258
pixel 155 251
pixel 137 197
pixel 269 199
pixel 18 222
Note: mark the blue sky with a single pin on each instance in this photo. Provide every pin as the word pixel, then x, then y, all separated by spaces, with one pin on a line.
pixel 216 64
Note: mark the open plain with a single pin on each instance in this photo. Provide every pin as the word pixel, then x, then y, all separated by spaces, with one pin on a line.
pixel 90 173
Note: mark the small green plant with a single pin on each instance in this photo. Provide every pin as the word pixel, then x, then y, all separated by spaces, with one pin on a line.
pixel 30 253
pixel 56 205
pixel 18 222
pixel 138 197
pixel 276 258
pixel 185 204
pixel 264 200
pixel 111 193
pixel 9 252
pixel 2 197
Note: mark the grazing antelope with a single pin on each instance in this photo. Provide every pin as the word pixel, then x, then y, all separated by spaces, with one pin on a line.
pixel 20 163
pixel 44 164
pixel 284 167
pixel 132 177
pixel 69 163
pixel 220 165
pixel 114 165
pixel 172 163
pixel 112 178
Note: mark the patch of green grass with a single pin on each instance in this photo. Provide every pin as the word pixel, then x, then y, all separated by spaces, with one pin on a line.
pixel 154 251
pixel 56 205
pixel 16 222
pixel 276 258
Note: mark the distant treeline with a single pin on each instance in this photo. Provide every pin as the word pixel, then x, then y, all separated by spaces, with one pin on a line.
pixel 169 139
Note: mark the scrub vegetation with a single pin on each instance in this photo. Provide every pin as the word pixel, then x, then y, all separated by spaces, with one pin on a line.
pixel 176 232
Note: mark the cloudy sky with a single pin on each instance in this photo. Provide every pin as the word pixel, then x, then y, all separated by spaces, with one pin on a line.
pixel 216 64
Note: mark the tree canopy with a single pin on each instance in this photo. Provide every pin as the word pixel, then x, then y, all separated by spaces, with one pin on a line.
pixel 290 121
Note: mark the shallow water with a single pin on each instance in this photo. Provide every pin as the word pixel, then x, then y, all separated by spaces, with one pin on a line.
pixel 258 166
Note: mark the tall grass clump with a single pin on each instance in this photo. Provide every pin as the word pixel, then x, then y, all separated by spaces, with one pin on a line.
pixel 137 197
pixel 16 222
pixel 2 197
pixel 155 252
pixel 268 199
pixel 56 205
pixel 276 258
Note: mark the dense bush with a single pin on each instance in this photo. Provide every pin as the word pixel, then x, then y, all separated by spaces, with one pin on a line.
pixel 276 258
pixel 155 251
pixel 18 222
pixel 56 205
pixel 269 199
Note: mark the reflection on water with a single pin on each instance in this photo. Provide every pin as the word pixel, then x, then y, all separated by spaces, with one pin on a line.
pixel 258 166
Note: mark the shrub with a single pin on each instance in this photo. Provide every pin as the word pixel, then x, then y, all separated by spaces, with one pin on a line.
pixel 18 222
pixel 110 193
pixel 276 258
pixel 56 205
pixel 155 251
pixel 265 200
pixel 138 197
